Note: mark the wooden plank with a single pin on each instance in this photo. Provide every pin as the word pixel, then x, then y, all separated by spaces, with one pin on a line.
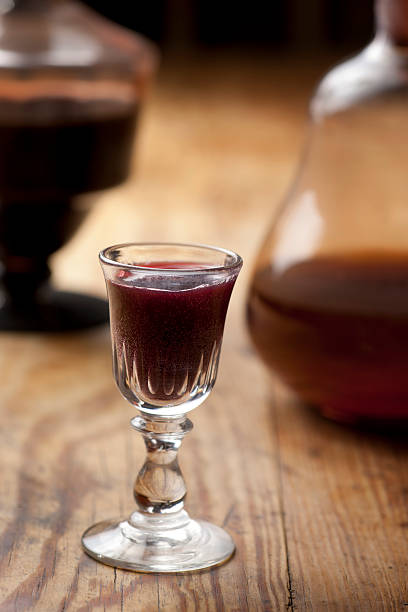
pixel 69 458
pixel 345 512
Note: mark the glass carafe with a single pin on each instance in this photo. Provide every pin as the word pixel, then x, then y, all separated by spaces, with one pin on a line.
pixel 71 84
pixel 328 302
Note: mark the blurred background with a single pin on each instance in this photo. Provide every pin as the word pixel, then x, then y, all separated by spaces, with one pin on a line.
pixel 287 24
pixel 225 121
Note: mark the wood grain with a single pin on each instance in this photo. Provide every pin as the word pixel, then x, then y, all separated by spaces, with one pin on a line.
pixel 345 513
pixel 318 512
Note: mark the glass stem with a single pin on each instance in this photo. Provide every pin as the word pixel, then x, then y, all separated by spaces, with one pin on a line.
pixel 160 488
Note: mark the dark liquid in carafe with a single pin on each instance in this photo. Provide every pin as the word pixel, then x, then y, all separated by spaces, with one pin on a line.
pixel 336 330
pixel 51 150
pixel 50 146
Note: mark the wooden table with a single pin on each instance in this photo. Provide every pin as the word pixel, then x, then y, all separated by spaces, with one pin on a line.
pixel 319 513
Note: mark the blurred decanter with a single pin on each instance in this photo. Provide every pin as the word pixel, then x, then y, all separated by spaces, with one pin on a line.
pixel 328 301
pixel 71 83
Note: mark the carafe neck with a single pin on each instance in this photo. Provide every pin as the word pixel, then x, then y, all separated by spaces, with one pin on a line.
pixel 392 20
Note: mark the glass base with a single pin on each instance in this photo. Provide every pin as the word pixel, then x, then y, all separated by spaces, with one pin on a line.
pixel 146 543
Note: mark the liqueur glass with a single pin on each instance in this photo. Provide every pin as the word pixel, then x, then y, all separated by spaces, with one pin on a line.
pixel 167 304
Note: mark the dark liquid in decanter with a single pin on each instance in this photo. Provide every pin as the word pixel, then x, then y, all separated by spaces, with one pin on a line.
pixel 335 329
pixel 51 150
pixel 52 146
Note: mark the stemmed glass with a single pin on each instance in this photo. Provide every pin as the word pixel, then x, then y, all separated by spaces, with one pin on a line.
pixel 168 304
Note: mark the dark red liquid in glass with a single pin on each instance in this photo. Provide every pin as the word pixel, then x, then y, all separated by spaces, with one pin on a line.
pixel 170 327
pixel 336 330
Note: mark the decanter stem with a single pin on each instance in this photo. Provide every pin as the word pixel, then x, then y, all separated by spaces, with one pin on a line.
pixel 160 487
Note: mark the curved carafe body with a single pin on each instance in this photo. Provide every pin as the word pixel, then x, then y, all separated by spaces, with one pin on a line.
pixel 328 303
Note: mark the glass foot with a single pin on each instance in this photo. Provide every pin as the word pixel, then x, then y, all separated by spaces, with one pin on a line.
pixel 166 543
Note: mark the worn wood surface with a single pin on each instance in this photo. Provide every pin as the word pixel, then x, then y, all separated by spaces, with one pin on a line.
pixel 319 513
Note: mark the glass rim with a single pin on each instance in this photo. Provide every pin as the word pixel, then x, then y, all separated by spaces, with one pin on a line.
pixel 235 263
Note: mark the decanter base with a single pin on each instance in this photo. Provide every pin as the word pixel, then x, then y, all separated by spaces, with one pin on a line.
pixel 160 544
pixel 55 311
